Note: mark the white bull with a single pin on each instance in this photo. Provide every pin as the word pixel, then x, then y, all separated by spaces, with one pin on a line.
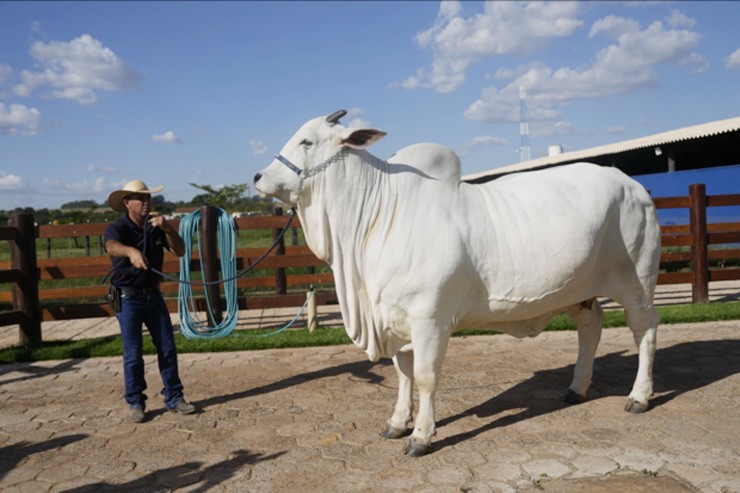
pixel 417 253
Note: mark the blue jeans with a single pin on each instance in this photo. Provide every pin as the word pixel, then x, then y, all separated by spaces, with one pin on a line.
pixel 150 310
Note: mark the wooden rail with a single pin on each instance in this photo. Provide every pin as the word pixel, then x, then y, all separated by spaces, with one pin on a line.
pixel 291 269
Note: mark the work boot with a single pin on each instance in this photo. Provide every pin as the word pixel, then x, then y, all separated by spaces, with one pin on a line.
pixel 137 414
pixel 183 407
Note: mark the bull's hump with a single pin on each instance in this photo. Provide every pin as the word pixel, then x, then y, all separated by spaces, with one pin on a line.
pixel 434 160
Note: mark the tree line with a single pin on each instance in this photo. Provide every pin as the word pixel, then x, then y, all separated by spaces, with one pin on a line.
pixel 232 198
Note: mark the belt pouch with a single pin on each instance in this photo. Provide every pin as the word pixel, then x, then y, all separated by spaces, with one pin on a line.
pixel 114 298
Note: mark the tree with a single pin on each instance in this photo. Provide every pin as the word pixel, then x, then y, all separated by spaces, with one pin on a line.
pixel 80 204
pixel 227 197
pixel 159 204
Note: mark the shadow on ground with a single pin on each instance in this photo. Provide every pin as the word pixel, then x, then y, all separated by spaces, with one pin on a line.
pixel 678 369
pixel 184 475
pixel 11 455
pixel 361 370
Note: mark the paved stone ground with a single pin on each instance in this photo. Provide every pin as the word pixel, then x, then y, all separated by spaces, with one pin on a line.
pixel 310 420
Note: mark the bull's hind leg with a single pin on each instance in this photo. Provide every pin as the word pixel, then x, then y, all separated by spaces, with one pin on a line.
pixel 588 317
pixel 644 324
pixel 403 412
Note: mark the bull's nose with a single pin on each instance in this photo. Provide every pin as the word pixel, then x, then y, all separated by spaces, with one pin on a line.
pixel 257 177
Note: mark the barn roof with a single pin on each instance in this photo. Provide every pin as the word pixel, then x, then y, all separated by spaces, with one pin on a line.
pixel 699 146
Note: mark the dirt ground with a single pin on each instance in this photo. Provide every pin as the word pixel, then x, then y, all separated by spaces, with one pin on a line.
pixel 310 420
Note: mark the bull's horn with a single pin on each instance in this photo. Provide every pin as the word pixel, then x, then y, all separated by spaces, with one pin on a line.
pixel 334 117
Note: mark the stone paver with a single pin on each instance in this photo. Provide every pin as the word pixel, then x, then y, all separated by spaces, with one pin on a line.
pixel 310 420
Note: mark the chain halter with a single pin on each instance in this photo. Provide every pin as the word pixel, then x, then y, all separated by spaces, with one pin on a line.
pixel 305 174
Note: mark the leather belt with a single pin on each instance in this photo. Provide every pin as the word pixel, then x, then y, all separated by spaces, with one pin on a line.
pixel 131 291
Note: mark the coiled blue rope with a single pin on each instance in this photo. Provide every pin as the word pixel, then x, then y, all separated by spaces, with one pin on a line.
pixel 191 325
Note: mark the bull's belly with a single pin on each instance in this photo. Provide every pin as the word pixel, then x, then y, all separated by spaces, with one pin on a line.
pixel 520 317
pixel 517 328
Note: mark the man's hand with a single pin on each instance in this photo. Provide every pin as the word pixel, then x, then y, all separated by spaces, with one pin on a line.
pixel 137 259
pixel 177 246
pixel 157 220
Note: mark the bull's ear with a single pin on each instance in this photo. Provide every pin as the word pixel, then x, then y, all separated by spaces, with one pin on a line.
pixel 362 138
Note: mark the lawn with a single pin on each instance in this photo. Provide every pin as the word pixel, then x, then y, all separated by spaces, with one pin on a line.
pixel 326 336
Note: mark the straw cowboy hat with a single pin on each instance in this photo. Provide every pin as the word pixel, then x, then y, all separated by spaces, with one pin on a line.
pixel 115 199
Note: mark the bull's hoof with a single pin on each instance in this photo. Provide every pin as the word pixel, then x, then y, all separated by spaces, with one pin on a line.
pixel 392 432
pixel 573 398
pixel 634 406
pixel 415 449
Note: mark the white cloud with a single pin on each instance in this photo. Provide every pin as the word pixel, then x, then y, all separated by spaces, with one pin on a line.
pixel 501 73
pixel 18 119
pixel 732 62
pixel 544 129
pixel 678 19
pixel 258 147
pixel 358 123
pixel 503 28
pixel 481 141
pixel 82 95
pixel 98 185
pixel 91 168
pixel 5 72
pixel 168 137
pixel 11 182
pixel 354 118
pixel 696 60
pixel 627 65
pixel 75 70
pixel 36 28
pixel 613 26
pixel 354 113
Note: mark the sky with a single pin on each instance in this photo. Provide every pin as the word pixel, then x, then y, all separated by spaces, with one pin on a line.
pixel 94 94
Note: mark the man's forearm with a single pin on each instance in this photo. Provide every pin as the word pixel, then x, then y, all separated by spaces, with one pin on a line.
pixel 177 245
pixel 118 249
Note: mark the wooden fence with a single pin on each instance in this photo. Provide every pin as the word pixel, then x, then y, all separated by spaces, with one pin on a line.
pixel 697 237
pixel 286 288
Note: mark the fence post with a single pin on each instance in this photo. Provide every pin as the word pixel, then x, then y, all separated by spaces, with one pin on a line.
pixel 26 290
pixel 281 283
pixel 698 225
pixel 209 260
pixel 87 246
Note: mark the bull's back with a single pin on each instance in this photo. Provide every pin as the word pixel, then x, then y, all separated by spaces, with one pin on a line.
pixel 544 240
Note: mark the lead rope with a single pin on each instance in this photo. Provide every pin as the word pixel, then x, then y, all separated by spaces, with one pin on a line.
pixel 191 325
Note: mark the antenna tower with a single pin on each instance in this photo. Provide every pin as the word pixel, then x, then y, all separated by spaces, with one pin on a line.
pixel 524 153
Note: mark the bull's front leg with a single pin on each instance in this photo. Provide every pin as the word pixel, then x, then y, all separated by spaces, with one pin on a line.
pixel 430 345
pixel 396 427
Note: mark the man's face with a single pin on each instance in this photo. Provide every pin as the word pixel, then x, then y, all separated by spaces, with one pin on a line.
pixel 138 203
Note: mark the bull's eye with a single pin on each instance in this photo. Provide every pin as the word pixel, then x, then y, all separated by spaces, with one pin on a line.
pixel 306 142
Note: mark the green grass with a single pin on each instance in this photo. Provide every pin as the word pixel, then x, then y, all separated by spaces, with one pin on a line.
pixel 677 314
pixel 325 336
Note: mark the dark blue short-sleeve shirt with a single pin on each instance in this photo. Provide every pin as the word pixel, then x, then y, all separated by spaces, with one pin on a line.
pixel 125 231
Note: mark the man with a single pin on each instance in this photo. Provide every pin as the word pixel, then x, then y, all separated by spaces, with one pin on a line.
pixel 136 244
